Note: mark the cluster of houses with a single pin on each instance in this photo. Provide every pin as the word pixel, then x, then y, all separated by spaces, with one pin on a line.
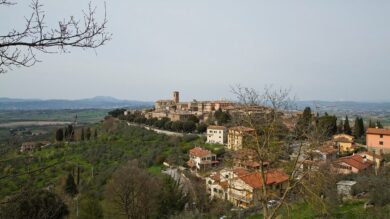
pixel 240 183
pixel 176 110
pixel 370 159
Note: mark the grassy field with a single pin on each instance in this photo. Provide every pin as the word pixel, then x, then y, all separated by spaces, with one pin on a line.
pixel 83 115
pixel 348 210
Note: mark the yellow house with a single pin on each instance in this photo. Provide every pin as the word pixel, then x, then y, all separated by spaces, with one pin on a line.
pixel 345 143
pixel 244 189
pixel 241 187
pixel 237 137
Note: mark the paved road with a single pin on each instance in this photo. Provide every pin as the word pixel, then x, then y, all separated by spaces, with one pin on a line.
pixel 160 131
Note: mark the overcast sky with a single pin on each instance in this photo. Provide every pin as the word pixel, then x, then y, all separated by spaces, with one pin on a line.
pixel 323 50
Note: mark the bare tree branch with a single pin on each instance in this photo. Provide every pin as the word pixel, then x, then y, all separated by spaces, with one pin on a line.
pixel 6 2
pixel 19 48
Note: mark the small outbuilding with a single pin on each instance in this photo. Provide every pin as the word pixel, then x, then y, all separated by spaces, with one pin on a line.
pixel 344 187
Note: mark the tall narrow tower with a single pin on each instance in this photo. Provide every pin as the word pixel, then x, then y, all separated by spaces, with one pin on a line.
pixel 176 96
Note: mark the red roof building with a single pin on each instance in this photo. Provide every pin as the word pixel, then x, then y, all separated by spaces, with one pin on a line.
pixel 378 139
pixel 352 164
pixel 201 159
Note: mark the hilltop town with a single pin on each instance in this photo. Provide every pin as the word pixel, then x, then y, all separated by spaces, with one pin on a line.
pixel 244 158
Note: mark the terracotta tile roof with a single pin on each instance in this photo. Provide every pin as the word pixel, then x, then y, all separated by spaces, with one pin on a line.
pixel 216 127
pixel 272 176
pixel 242 129
pixel 240 171
pixel 200 152
pixel 252 164
pixel 327 149
pixel 355 161
pixel 342 139
pixel 376 131
pixel 244 153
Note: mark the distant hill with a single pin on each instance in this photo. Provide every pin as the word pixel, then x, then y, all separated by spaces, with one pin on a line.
pixel 100 102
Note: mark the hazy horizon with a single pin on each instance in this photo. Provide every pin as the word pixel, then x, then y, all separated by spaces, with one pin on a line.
pixel 184 100
pixel 321 50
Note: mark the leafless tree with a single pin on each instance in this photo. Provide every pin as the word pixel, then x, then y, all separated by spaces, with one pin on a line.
pixel 266 113
pixel 20 47
pixel 133 192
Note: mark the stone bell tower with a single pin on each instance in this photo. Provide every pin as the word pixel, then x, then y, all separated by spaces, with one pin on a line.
pixel 176 98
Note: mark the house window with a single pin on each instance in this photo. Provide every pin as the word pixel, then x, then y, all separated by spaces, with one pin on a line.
pixel 381 143
pixel 209 182
pixel 215 190
pixel 381 136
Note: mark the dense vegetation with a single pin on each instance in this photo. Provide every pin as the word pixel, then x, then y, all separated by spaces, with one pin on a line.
pixel 89 164
pixel 189 125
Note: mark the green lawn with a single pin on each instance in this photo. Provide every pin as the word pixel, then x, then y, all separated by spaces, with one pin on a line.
pixel 83 115
pixel 156 169
pixel 348 210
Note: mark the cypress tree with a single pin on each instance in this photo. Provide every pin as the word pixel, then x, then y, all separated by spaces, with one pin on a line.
pixel 95 134
pixel 88 134
pixel 340 127
pixel 60 134
pixel 70 186
pixel 357 132
pixel 347 127
pixel 66 133
pixel 371 124
pixel 361 125
pixel 82 137
pixel 70 133
pixel 379 124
